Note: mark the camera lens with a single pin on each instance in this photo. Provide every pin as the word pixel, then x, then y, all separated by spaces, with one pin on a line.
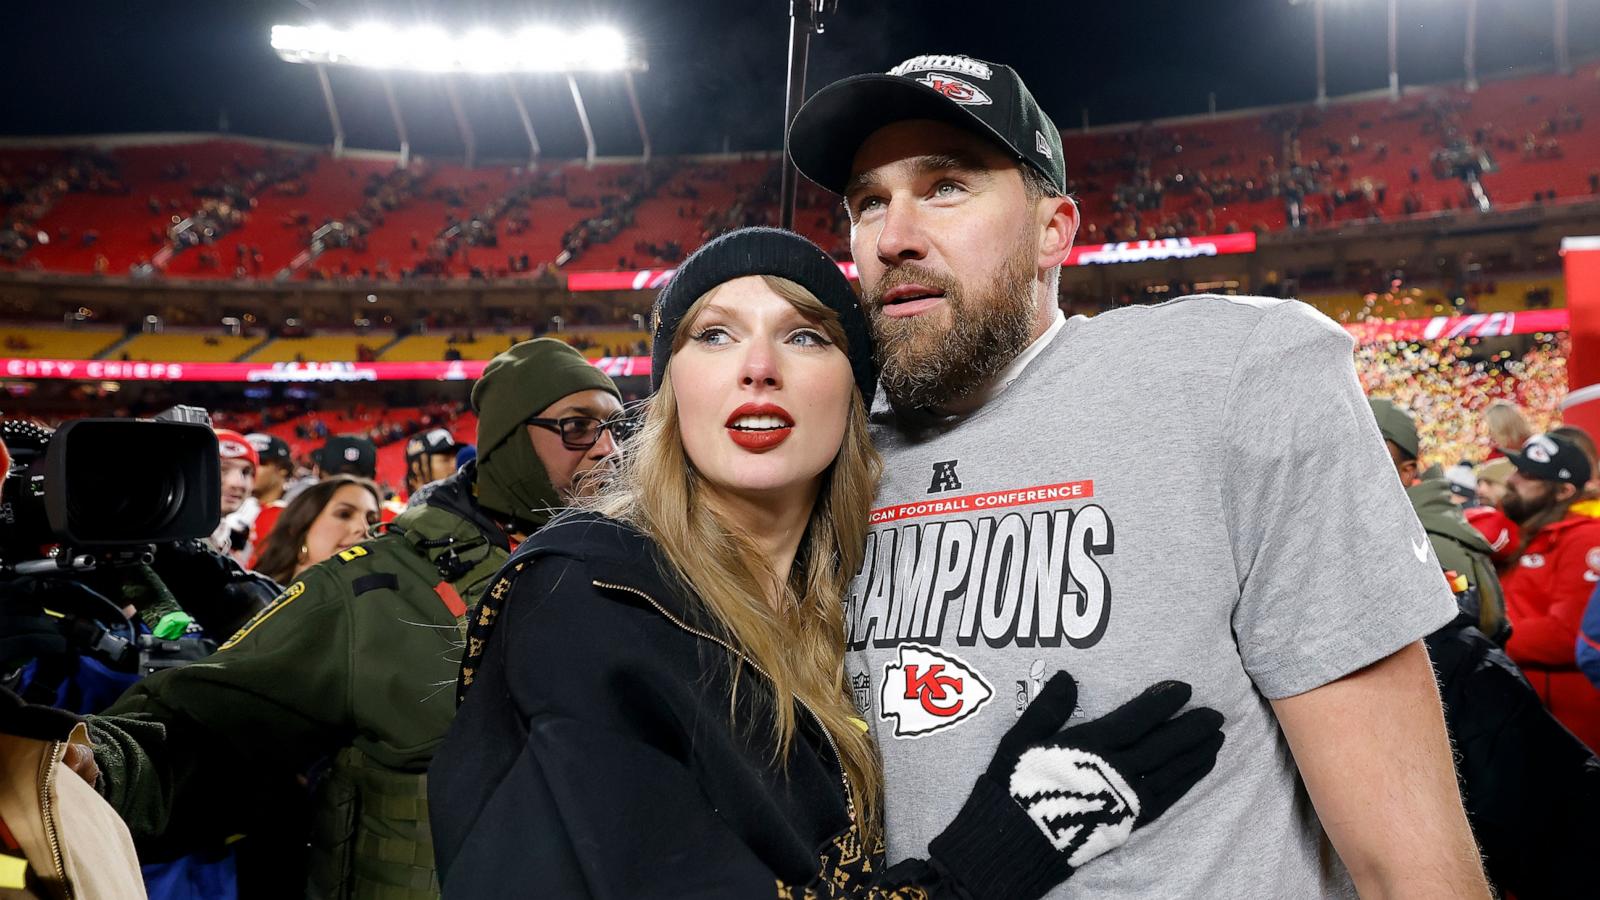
pixel 130 482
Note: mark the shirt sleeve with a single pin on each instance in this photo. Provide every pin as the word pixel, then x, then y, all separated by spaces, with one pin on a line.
pixel 270 701
pixel 1335 572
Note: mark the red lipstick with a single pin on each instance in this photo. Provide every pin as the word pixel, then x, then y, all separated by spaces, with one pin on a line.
pixel 759 436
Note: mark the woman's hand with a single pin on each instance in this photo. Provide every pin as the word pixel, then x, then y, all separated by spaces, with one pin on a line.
pixel 1082 789
pixel 80 759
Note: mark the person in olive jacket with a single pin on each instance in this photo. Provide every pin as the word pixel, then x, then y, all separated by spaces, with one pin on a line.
pixel 352 664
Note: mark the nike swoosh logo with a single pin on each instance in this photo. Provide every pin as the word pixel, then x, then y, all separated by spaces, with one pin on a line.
pixel 1420 550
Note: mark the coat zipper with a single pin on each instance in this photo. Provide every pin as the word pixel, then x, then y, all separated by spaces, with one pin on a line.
pixel 47 779
pixel 844 778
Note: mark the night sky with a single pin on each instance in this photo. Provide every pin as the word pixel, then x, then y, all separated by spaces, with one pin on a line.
pixel 717 66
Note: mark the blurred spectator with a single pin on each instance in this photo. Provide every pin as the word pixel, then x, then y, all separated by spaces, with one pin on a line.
pixel 1508 427
pixel 1549 585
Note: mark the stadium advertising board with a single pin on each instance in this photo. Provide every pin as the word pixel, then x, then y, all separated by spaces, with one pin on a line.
pixel 1580 257
pixel 1162 248
pixel 1478 325
pixel 1437 328
pixel 1086 255
pixel 284 373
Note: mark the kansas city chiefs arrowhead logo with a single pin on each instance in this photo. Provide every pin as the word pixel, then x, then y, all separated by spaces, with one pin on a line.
pixel 926 690
pixel 958 89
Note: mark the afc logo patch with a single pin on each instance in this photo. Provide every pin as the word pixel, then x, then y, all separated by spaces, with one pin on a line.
pixel 927 690
pixel 944 477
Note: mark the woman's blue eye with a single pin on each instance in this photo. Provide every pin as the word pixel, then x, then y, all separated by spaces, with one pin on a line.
pixel 713 335
pixel 809 339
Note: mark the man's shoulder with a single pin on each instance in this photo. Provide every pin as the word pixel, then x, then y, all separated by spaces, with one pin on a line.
pixel 343 571
pixel 1189 308
pixel 1575 529
pixel 1206 324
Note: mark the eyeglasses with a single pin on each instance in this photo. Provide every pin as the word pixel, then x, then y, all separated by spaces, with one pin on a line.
pixel 583 432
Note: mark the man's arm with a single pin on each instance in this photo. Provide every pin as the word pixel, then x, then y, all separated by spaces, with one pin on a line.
pixel 1376 759
pixel 236 725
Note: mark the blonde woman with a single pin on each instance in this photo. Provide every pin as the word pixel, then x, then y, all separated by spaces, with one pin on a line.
pixel 662 709
pixel 1507 427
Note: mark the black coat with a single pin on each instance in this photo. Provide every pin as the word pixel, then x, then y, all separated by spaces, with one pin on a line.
pixel 596 754
pixel 1531 789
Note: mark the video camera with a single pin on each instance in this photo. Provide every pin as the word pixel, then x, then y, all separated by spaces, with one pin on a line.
pixel 98 485
pixel 85 503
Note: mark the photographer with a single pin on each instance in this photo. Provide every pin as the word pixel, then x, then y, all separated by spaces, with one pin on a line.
pixel 354 662
pixel 92 854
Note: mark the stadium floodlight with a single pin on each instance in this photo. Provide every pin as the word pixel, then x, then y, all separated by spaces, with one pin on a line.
pixel 483 51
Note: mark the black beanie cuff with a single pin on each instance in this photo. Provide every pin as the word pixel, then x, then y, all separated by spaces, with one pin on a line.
pixel 764 251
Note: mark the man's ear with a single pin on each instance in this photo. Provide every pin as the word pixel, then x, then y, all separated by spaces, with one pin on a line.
pixel 1566 492
pixel 1059 228
pixel 1408 472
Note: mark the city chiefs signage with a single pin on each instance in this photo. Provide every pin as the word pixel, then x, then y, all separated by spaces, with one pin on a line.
pixel 284 373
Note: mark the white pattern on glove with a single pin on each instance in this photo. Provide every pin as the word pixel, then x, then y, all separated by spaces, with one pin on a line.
pixel 1080 802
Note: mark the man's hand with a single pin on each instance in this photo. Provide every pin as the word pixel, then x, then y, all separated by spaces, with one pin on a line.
pixel 1376 760
pixel 80 759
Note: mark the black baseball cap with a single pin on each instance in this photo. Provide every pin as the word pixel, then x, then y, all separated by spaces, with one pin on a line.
pixel 980 96
pixel 1551 457
pixel 347 454
pixel 271 448
pixel 427 443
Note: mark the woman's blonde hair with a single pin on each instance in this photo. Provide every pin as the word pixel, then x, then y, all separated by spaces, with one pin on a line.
pixel 800 647
pixel 1508 427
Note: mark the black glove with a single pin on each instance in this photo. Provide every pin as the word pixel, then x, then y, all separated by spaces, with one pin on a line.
pixel 1053 799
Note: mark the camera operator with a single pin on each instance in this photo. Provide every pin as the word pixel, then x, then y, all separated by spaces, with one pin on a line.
pixel 356 659
pixel 57 836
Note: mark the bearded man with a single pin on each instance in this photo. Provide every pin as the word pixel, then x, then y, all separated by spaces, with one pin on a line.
pixel 1549 585
pixel 1193 491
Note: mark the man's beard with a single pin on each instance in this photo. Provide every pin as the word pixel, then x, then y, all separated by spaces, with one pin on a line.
pixel 926 364
pixel 1522 510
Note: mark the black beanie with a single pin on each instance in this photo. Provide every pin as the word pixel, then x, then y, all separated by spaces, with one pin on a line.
pixel 764 251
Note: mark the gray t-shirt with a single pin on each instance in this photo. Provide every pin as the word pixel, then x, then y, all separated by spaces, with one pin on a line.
pixel 1195 491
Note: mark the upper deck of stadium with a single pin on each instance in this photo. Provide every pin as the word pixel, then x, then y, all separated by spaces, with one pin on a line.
pixel 220 207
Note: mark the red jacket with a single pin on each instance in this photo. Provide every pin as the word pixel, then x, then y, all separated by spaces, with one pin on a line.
pixel 1546 593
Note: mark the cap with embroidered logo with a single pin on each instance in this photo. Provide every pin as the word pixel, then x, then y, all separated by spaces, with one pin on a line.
pixel 988 98
pixel 1551 457
pixel 426 443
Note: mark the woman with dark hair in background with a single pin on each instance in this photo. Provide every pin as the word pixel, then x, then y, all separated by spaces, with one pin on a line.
pixel 328 517
pixel 663 711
